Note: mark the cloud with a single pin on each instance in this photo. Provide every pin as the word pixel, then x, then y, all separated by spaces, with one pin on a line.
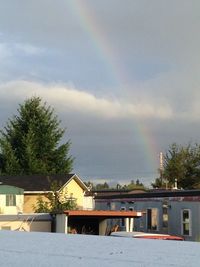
pixel 27 49
pixel 100 127
pixel 12 49
pixel 142 105
pixel 68 98
pixel 4 51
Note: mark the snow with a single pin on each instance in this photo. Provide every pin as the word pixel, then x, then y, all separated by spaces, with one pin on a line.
pixel 51 249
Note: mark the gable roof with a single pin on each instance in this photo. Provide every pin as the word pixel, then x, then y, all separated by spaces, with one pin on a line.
pixel 40 182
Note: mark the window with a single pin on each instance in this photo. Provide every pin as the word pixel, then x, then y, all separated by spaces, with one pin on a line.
pixel 10 200
pixel 5 228
pixel 112 206
pixel 165 216
pixel 186 222
pixel 131 208
pixel 152 219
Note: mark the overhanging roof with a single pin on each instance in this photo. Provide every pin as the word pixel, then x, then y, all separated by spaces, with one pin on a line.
pixel 103 213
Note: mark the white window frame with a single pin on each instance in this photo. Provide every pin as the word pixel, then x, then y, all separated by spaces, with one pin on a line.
pixel 190 222
pixel 11 200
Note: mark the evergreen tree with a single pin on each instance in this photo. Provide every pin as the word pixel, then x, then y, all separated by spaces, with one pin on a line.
pixel 102 186
pixel 181 164
pixel 133 186
pixel 30 142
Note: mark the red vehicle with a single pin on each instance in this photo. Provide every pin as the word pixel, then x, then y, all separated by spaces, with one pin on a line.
pixel 147 235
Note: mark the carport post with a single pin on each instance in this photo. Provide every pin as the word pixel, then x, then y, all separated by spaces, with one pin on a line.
pixel 127 225
pixel 61 223
pixel 102 226
pixel 131 224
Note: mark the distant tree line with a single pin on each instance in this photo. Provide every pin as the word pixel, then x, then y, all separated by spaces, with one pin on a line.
pixel 103 186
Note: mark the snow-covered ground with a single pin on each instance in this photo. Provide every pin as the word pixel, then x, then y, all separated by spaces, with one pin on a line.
pixel 49 249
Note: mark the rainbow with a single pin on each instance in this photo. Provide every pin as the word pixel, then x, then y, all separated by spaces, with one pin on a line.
pixel 107 53
pixel 101 44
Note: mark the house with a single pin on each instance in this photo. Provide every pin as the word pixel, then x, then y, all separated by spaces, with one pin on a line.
pixel 35 186
pixel 175 212
pixel 11 199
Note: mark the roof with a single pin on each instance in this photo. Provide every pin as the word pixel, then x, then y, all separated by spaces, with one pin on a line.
pixel 158 194
pixel 103 213
pixel 111 192
pixel 39 182
pixel 8 189
pixel 49 249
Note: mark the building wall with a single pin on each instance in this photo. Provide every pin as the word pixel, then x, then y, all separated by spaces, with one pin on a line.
pixel 88 203
pixel 30 202
pixel 71 190
pixel 140 224
pixel 26 226
pixel 174 210
pixel 18 208
pixel 74 190
pixel 175 219
pixel 25 223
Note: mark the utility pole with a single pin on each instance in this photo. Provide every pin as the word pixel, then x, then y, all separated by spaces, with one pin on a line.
pixel 161 167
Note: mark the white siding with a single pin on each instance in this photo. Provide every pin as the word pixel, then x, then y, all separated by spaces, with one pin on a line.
pixel 11 209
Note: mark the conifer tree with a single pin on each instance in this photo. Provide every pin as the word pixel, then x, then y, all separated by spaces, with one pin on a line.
pixel 181 164
pixel 30 142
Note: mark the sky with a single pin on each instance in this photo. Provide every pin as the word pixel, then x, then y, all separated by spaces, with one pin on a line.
pixel 54 249
pixel 123 77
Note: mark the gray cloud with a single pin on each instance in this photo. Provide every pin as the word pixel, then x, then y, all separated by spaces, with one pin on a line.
pixel 106 141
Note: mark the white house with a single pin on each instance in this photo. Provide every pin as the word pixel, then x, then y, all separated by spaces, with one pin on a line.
pixel 11 199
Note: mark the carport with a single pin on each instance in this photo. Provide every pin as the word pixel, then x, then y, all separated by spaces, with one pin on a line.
pixel 92 221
